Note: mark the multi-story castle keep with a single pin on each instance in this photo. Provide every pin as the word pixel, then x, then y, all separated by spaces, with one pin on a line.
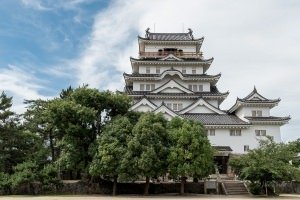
pixel 170 76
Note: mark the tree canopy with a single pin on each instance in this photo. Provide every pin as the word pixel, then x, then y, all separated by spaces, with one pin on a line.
pixel 269 163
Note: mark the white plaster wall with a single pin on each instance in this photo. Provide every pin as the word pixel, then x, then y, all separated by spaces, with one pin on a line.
pixel 222 137
pixel 201 109
pixel 247 111
pixel 171 90
pixel 143 108
pixel 213 102
pixel 156 47
pixel 142 69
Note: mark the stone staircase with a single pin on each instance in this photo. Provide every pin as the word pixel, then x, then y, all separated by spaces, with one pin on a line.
pixel 234 187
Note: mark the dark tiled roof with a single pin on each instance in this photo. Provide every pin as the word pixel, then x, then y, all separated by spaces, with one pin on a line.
pixel 222 148
pixel 170 36
pixel 215 119
pixel 184 75
pixel 271 118
pixel 259 101
pixel 214 92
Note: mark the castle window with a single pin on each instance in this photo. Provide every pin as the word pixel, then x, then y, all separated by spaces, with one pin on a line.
pixel 194 70
pixel 147 70
pixel 256 113
pixel 158 70
pixel 211 132
pixel 169 105
pixel 200 88
pixel 260 132
pixel 147 87
pixel 236 132
pixel 142 87
pixel 195 88
pixel 246 148
pixel 191 87
pixel 152 86
pixel 184 71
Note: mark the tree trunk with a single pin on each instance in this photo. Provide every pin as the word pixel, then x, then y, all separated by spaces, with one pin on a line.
pixel 182 185
pixel 52 145
pixel 147 186
pixel 115 185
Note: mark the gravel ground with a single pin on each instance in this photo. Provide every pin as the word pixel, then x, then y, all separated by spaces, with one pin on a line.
pixel 125 197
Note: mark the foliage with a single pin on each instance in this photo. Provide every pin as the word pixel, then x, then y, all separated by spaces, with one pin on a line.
pixel 112 146
pixel 190 151
pixel 5 181
pixel 25 173
pixel 267 164
pixel 148 148
pixel 49 175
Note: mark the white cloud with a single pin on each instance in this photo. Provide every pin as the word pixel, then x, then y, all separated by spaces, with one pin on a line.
pixel 35 4
pixel 21 84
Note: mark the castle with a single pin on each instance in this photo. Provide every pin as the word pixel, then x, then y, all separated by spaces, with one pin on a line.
pixel 170 77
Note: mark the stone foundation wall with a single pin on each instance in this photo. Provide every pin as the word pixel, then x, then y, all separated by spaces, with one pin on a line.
pixel 80 187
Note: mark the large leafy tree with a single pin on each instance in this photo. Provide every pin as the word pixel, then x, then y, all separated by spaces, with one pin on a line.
pixel 16 144
pixel 112 146
pixel 148 148
pixel 269 163
pixel 190 153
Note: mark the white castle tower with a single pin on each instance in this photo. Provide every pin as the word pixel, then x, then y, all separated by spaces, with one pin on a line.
pixel 170 77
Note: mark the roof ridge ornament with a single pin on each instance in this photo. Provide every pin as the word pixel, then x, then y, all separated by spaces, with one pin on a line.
pixel 147 33
pixel 254 90
pixel 191 33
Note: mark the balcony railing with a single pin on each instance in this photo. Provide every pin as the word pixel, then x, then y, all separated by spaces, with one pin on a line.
pixel 165 53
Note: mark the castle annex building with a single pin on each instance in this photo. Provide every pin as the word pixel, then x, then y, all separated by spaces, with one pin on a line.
pixel 170 76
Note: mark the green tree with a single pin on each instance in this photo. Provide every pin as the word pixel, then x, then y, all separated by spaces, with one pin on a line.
pixel 148 148
pixel 190 153
pixel 25 173
pixel 112 146
pixel 16 144
pixel 268 163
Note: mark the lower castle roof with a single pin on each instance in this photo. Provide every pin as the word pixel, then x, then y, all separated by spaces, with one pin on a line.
pixel 215 119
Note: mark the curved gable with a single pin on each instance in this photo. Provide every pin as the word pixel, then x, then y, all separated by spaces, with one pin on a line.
pixel 201 106
pixel 172 87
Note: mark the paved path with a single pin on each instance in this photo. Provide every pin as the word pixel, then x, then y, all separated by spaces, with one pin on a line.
pixel 164 197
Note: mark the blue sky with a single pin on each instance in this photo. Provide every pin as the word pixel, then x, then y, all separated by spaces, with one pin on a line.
pixel 47 45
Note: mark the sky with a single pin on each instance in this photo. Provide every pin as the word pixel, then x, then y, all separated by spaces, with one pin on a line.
pixel 48 45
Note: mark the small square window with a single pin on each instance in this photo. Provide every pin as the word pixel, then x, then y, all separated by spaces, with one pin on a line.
pixel 200 88
pixel 184 71
pixel 246 148
pixel 212 132
pixel 152 86
pixel 175 106
pixel 194 88
pixel 259 113
pixel 158 70
pixel 190 87
pixel 147 70
pixel 142 87
pixel 194 70
pixel 253 113
pixel 257 132
pixel 147 87
pixel 263 133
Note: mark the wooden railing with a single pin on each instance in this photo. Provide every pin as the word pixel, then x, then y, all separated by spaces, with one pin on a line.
pixel 165 53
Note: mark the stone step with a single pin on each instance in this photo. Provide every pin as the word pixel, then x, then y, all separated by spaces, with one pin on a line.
pixel 235 187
